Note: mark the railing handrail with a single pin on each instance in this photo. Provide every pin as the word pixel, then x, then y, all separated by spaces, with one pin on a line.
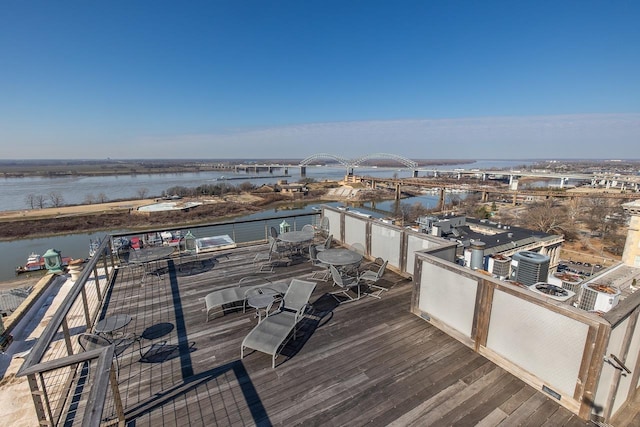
pixel 42 344
pixel 212 224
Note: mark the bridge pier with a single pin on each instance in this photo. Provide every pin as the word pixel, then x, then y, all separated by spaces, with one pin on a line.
pixel 303 171
pixel 441 199
pixel 397 184
pixel 485 196
pixel 414 174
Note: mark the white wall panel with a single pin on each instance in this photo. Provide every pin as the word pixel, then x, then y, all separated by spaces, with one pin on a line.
pixel 334 223
pixel 415 244
pixel 385 243
pixel 448 297
pixel 541 341
pixel 355 230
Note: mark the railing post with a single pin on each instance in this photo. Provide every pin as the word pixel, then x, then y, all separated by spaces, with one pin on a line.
pixel 67 336
pixel 85 305
pixel 37 395
pixel 106 267
pixel 117 401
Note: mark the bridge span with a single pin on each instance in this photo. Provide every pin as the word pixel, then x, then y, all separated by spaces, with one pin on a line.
pixel 486 189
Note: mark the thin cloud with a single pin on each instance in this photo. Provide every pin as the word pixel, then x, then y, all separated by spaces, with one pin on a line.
pixel 567 136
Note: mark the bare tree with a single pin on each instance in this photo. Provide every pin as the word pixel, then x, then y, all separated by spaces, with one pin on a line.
pixel 246 186
pixel 603 216
pixel 547 216
pixel 56 199
pixel 30 200
pixel 41 201
pixel 89 199
pixel 102 198
pixel 142 192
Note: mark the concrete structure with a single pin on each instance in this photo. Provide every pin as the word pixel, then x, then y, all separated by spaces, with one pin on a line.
pixel 499 239
pixel 631 255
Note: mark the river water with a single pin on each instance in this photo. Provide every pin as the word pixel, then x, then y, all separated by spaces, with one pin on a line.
pixel 75 189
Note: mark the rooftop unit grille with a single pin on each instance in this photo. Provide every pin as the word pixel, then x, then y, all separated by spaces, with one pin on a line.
pixel 501 266
pixel 529 267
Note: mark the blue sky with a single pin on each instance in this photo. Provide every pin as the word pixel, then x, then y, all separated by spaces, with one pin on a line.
pixel 228 79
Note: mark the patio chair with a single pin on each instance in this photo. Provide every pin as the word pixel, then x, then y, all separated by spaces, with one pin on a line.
pixel 273 232
pixel 371 277
pixel 218 302
pixel 345 282
pixel 358 247
pixel 275 253
pixel 326 244
pixel 308 228
pixel 270 335
pixel 323 228
pixel 89 341
pixel 322 274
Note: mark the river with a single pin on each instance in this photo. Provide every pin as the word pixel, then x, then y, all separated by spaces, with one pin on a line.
pixel 75 189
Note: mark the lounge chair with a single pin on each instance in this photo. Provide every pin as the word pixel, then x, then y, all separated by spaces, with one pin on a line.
pixel 270 335
pixel 217 302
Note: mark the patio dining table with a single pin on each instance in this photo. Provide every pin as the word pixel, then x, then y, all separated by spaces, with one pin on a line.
pixel 296 239
pixel 340 257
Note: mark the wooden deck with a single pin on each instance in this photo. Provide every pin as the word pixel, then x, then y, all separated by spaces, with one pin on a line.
pixel 365 362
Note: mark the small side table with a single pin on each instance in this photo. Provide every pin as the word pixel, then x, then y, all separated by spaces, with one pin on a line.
pixel 260 301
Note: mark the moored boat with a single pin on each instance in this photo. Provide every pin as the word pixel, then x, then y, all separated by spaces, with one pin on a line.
pixel 35 262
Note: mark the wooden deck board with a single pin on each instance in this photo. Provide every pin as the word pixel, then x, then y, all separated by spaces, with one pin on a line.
pixel 364 362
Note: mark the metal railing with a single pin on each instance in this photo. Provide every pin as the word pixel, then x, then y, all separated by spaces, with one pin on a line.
pixel 58 370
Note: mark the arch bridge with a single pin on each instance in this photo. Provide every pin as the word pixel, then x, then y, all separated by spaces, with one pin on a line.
pixel 349 164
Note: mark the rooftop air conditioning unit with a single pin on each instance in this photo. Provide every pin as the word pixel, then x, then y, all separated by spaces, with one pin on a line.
pixel 595 297
pixel 552 291
pixel 529 267
pixel 570 282
pixel 501 265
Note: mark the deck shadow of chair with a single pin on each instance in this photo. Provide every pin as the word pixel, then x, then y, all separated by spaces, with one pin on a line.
pixel 346 283
pixel 89 341
pixel 196 266
pixel 277 328
pixel 154 332
pixel 371 277
pixel 161 352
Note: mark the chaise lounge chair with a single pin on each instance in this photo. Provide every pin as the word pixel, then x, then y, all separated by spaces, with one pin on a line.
pixel 217 302
pixel 270 335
